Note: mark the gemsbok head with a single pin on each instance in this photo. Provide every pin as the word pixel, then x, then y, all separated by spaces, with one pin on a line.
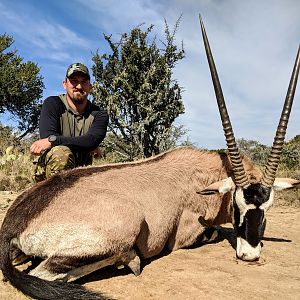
pixel 250 200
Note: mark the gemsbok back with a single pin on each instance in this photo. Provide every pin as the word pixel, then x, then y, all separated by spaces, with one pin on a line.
pixel 85 219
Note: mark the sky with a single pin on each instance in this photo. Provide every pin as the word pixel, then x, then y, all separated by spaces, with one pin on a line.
pixel 254 44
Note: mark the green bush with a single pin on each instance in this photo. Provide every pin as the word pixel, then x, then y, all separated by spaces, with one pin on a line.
pixel 16 167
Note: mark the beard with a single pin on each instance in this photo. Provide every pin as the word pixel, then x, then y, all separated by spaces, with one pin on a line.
pixel 78 98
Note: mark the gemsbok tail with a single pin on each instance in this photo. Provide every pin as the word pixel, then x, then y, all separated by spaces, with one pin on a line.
pixel 38 288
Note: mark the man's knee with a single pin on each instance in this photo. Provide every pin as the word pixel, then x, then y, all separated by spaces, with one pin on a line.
pixel 59 158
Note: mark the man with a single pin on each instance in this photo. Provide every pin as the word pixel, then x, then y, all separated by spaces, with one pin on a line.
pixel 71 127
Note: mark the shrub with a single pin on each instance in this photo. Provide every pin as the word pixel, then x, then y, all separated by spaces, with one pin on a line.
pixel 16 167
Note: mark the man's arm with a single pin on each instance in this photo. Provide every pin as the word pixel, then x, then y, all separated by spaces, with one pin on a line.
pixel 49 124
pixel 51 112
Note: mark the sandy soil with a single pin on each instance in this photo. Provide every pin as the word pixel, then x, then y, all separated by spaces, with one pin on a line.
pixel 207 272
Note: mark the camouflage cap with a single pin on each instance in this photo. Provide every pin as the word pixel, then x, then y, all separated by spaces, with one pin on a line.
pixel 77 67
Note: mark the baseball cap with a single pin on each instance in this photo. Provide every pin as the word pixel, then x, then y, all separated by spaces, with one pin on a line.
pixel 77 67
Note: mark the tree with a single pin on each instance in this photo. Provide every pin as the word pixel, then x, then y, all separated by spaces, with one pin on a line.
pixel 256 151
pixel 21 87
pixel 291 153
pixel 174 136
pixel 135 84
pixel 290 157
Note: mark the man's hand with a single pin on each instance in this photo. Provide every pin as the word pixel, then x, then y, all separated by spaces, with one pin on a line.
pixel 96 153
pixel 38 147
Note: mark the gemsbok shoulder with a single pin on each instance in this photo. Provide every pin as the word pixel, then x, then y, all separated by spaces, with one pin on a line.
pixel 85 219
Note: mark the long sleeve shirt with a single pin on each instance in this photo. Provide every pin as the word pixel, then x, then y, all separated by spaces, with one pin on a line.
pixel 80 132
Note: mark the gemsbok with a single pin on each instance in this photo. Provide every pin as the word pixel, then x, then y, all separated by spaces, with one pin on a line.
pixel 85 219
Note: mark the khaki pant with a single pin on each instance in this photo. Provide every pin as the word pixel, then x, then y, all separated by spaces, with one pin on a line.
pixel 57 159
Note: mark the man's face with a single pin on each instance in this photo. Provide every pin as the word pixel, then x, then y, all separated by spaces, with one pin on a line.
pixel 78 87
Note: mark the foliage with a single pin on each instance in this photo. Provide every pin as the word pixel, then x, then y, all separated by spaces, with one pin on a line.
pixel 291 153
pixel 16 167
pixel 7 138
pixel 21 86
pixel 290 157
pixel 256 151
pixel 135 84
pixel 173 137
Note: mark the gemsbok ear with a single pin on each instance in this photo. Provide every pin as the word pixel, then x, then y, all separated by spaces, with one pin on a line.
pixel 285 183
pixel 220 187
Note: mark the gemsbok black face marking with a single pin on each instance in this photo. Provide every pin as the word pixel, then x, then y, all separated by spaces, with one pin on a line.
pixel 256 194
pixel 249 207
pixel 251 201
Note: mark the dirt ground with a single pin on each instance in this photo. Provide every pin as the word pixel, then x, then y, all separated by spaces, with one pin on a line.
pixel 207 272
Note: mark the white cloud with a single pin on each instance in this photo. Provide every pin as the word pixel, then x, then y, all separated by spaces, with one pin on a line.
pixel 116 16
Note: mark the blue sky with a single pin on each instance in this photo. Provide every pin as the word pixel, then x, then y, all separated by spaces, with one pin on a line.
pixel 254 44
